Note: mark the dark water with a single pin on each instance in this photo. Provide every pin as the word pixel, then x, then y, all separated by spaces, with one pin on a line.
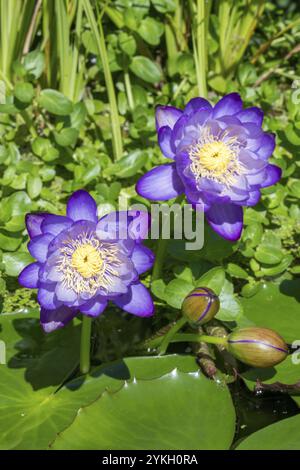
pixel 256 411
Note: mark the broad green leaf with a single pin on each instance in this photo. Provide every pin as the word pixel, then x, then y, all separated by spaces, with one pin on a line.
pixel 15 224
pixel 151 30
pixel 17 203
pixel 78 115
pixel 33 407
pixel 268 254
pixel 34 63
pixel 128 165
pixel 230 306
pixel 270 249
pixel 55 102
pixel 236 271
pixel 15 262
pixel 127 43
pixel 44 148
pixel 24 92
pixel 277 307
pixel 214 279
pixel 295 189
pixel 176 411
pixel 9 241
pixel 66 137
pixel 284 435
pixel 34 186
pixel 36 364
pixel 146 69
pixel 176 291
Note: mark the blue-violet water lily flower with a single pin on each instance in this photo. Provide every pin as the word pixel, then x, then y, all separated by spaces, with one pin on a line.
pixel 82 262
pixel 220 158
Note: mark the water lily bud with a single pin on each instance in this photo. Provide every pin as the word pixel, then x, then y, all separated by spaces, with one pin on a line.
pixel 201 305
pixel 257 347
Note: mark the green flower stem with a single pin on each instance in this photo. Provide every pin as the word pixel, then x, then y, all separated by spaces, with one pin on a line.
pixel 85 344
pixel 194 338
pixel 170 335
pixel 162 343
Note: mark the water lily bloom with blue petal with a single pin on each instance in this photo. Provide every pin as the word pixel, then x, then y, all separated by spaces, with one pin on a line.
pixel 82 263
pixel 220 158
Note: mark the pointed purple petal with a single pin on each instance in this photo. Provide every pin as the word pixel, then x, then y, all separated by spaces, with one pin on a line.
pixel 267 146
pixel 53 319
pixel 142 258
pixel 55 224
pixel 166 116
pixel 226 220
pixel 46 297
pixel 228 106
pixel 123 225
pixel 160 183
pixel 33 224
pixel 254 115
pixel 29 277
pixel 38 247
pixel 94 307
pixel 64 294
pixel 164 141
pixel 195 104
pixel 252 200
pixel 81 206
pixel 273 175
pixel 137 301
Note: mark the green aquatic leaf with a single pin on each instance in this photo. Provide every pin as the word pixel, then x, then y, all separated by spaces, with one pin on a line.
pixel 284 435
pixel 36 365
pixel 33 406
pixel 175 411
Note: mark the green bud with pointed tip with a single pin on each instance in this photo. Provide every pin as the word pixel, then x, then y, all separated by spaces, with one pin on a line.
pixel 200 305
pixel 257 347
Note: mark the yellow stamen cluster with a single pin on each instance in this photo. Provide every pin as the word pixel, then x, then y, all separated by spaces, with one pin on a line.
pixel 88 264
pixel 87 260
pixel 215 158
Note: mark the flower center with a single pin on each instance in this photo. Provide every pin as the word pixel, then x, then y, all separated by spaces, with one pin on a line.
pixel 87 261
pixel 88 264
pixel 216 157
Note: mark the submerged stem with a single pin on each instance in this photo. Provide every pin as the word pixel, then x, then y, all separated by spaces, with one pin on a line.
pixel 85 344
